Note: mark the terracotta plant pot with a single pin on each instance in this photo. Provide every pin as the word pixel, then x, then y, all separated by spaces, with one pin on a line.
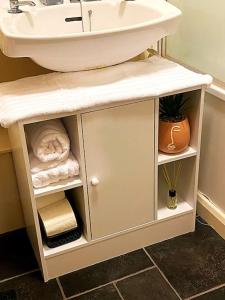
pixel 174 137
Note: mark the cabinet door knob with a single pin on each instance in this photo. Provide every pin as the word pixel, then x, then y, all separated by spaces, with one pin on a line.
pixel 94 181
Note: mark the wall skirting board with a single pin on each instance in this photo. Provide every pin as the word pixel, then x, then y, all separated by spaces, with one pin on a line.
pixel 217 90
pixel 211 213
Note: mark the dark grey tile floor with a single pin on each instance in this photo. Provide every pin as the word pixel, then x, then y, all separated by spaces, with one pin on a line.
pixel 191 266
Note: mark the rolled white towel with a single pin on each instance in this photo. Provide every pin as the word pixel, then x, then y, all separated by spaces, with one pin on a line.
pixel 65 169
pixel 49 140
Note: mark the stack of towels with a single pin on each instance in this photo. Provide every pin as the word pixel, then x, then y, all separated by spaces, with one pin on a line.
pixel 58 221
pixel 50 157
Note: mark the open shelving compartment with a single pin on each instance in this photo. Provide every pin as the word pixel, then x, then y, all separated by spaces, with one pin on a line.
pixel 187 182
pixel 71 126
pixel 74 188
pixel 185 189
pixel 76 199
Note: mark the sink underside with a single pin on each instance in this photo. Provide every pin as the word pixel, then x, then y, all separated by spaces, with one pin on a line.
pixel 86 35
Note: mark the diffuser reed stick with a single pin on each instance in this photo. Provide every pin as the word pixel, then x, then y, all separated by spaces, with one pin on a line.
pixel 171 179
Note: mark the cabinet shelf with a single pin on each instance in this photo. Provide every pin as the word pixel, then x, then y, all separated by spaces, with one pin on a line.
pixel 164 158
pixel 58 186
pixel 182 207
pixel 50 252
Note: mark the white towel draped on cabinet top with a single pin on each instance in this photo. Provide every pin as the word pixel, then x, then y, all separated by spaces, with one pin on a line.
pixel 70 92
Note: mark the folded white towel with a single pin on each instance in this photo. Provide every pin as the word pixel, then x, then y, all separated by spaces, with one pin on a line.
pixel 65 169
pixel 69 92
pixel 49 140
pixel 37 166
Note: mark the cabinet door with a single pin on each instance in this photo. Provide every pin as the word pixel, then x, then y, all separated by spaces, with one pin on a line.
pixel 119 153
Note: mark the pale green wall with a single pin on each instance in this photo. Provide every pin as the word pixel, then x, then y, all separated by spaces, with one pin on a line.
pixel 200 40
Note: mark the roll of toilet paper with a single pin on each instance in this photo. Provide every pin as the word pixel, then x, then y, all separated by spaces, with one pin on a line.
pixel 49 199
pixel 58 217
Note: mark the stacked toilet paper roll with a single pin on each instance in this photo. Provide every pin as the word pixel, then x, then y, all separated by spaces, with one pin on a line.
pixel 49 199
pixel 56 215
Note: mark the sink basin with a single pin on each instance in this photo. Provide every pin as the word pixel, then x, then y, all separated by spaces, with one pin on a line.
pixel 87 34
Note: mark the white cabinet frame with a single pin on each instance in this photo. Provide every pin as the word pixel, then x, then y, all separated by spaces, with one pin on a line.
pixel 87 251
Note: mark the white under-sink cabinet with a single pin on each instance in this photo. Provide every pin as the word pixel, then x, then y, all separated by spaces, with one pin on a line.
pixel 119 155
pixel 120 194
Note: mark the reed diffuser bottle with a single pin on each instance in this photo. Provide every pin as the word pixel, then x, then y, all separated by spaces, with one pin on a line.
pixel 172 199
pixel 171 179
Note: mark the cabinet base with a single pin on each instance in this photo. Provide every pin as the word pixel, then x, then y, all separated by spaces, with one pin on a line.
pixel 100 250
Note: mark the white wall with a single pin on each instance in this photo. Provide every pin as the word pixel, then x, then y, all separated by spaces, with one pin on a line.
pixel 11 216
pixel 212 163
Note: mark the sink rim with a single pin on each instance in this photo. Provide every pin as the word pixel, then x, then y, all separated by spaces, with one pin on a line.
pixel 173 13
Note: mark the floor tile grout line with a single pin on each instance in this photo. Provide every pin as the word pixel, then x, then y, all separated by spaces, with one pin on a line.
pixel 134 274
pixel 118 291
pixel 61 288
pixel 163 275
pixel 89 291
pixel 111 282
pixel 149 257
pixel 19 275
pixel 205 292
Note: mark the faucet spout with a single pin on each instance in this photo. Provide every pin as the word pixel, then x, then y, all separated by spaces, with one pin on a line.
pixel 30 3
pixel 15 6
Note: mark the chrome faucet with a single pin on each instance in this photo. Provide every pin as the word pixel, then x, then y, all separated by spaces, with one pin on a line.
pixel 15 6
pixel 51 2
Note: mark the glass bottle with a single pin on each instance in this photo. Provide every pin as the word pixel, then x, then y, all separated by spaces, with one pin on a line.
pixel 172 199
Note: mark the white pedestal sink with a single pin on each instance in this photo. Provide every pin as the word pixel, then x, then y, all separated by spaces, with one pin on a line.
pixel 86 35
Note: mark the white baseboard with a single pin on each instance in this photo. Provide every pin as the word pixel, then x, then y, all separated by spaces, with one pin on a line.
pixel 211 213
pixel 217 90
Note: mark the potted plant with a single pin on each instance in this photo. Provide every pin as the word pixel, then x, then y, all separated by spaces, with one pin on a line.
pixel 174 129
